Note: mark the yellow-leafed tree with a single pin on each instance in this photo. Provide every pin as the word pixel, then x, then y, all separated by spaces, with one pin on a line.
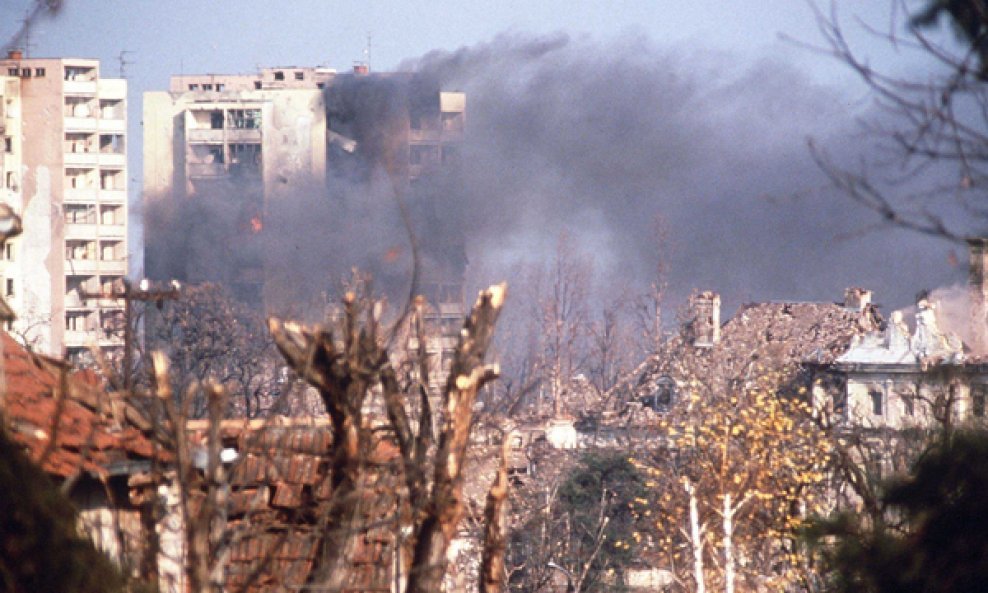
pixel 736 470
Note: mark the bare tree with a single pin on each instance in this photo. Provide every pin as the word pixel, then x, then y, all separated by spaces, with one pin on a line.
pixel 929 165
pixel 345 367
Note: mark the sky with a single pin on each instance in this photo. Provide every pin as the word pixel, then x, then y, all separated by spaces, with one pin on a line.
pixel 733 83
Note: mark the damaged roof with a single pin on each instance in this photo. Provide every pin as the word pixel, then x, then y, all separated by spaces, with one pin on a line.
pixel 280 495
pixel 777 334
pixel 64 419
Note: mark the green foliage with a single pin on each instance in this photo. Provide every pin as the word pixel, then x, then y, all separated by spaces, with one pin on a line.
pixel 603 481
pixel 934 535
pixel 40 549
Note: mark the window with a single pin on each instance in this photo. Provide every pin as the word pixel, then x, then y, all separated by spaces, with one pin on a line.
pixel 909 404
pixel 8 251
pixel 11 181
pixel 220 86
pixel 12 72
pixel 877 402
pixel 257 85
pixel 9 288
pixel 216 120
pixel 25 73
pixel 8 144
pixel 279 75
pixel 978 396
pixel 207 87
pixel 39 72
pixel 299 76
pixel 193 87
pixel 321 85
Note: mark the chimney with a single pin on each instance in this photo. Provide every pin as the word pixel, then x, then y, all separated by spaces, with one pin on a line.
pixel 15 54
pixel 857 299
pixel 978 284
pixel 705 325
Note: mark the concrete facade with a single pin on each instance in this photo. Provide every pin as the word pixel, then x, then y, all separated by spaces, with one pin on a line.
pixel 66 175
pixel 285 132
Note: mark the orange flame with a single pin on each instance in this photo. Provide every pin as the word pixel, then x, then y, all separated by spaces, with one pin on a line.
pixel 391 255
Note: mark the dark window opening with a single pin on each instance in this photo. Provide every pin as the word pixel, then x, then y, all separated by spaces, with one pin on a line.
pixel 220 86
pixel 279 75
pixel 876 402
pixel 207 87
pixel 216 120
pixel 12 72
pixel 299 76
pixel 39 72
pixel 978 400
pixel 193 87
pixel 257 85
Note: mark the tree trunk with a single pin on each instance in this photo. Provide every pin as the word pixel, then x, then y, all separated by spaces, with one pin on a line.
pixel 728 545
pixel 696 535
pixel 495 527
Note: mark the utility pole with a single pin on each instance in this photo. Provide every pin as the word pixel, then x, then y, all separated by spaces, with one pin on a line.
pixel 129 294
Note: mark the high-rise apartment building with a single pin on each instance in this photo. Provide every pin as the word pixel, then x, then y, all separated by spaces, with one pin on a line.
pixel 244 145
pixel 64 170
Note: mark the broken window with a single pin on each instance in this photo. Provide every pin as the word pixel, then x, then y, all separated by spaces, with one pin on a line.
pixel 244 119
pixel 245 157
pixel 111 143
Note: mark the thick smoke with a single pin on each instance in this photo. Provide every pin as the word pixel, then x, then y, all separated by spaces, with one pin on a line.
pixel 600 140
pixel 603 142
pixel 38 10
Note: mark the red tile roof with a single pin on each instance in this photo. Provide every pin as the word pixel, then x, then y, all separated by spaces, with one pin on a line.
pixel 280 492
pixel 64 419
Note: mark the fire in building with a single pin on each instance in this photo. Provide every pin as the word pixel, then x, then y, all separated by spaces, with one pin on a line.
pixel 267 182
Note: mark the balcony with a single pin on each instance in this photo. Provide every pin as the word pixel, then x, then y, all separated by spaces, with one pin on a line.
pixel 80 124
pixel 82 267
pixel 116 267
pixel 113 195
pixel 204 135
pixel 85 159
pixel 206 169
pixel 243 136
pixel 75 338
pixel 112 231
pixel 80 194
pixel 79 87
pixel 118 126
pixel 80 231
pixel 112 159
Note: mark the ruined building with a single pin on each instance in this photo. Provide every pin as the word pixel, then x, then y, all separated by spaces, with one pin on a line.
pixel 63 168
pixel 226 155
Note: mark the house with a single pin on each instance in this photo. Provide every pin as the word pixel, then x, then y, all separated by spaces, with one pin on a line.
pixel 87 440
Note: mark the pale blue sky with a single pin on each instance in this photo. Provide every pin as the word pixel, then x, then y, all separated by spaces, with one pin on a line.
pixel 169 37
